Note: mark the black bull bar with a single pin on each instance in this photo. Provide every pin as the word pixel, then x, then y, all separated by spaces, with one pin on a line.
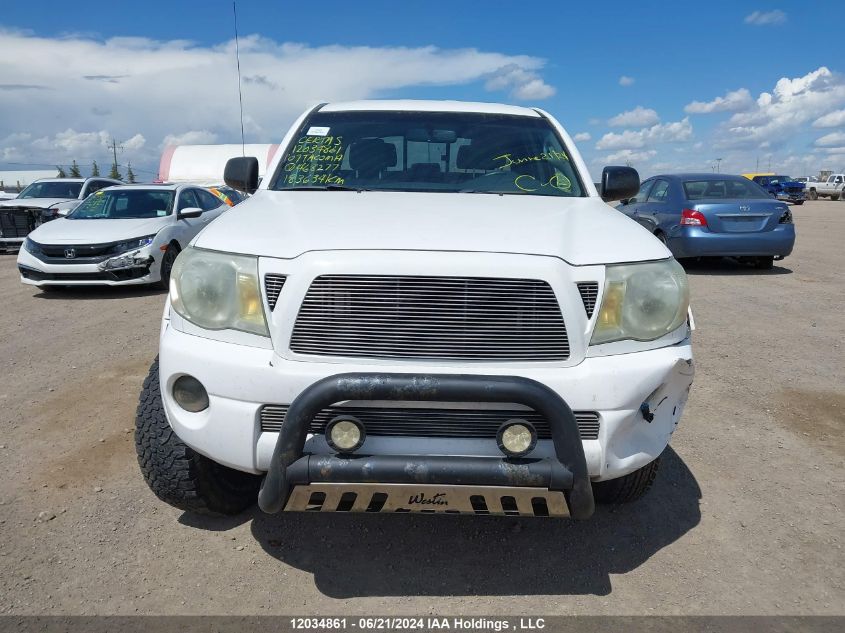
pixel 566 472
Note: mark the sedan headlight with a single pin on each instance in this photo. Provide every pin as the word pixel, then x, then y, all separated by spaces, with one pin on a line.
pixel 130 245
pixel 218 291
pixel 642 302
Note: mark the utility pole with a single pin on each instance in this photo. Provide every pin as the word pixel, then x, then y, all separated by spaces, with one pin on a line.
pixel 718 165
pixel 114 147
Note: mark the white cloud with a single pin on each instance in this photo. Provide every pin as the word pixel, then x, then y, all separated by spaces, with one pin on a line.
pixel 138 86
pixel 766 18
pixel 779 114
pixel 674 132
pixel 193 137
pixel 833 139
pixel 521 83
pixel 582 136
pixel 638 117
pixel 136 142
pixel 70 142
pixel 626 81
pixel 735 101
pixel 630 156
pixel 831 119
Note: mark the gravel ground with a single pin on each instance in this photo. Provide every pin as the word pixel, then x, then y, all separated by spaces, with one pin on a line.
pixel 746 515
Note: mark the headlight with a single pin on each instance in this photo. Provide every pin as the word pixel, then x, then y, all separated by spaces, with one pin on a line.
pixel 218 291
pixel 642 302
pixel 129 245
pixel 31 247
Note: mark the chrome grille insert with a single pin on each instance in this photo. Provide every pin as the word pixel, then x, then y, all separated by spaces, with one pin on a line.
pixel 273 284
pixel 377 497
pixel 439 318
pixel 589 293
pixel 430 422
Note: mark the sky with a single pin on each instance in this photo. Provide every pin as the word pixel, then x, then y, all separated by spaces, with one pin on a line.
pixel 681 86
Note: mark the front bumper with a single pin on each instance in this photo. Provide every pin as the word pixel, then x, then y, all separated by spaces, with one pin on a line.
pixel 241 379
pixel 567 471
pixel 36 272
pixel 693 241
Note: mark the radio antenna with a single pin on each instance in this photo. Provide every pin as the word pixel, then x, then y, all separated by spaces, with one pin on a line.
pixel 240 93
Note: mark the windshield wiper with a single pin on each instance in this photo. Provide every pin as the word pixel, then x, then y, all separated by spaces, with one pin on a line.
pixel 324 188
pixel 498 193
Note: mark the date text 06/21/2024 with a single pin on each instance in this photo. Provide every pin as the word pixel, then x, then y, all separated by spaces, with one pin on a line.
pixel 415 624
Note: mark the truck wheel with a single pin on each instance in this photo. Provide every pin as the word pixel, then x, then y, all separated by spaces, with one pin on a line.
pixel 814 195
pixel 834 196
pixel 627 488
pixel 177 474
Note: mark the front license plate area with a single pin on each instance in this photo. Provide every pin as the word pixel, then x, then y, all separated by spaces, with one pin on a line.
pixel 429 499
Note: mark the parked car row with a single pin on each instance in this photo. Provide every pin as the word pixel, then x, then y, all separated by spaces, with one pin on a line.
pixel 50 199
pixel 123 235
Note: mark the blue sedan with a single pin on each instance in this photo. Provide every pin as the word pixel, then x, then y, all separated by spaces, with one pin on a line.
pixel 714 215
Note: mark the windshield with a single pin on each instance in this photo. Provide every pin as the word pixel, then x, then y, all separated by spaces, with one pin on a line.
pixel 775 180
pixel 429 151
pixel 730 189
pixel 124 204
pixel 52 190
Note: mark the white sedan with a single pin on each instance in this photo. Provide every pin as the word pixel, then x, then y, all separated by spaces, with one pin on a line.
pixel 130 234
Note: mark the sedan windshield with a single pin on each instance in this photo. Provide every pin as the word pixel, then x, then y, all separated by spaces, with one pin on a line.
pixel 52 190
pixel 429 151
pixel 723 188
pixel 124 204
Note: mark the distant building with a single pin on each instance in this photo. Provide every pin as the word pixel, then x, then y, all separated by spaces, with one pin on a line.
pixel 16 180
pixel 204 164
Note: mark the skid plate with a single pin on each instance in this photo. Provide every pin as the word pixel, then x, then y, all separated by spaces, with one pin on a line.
pixel 375 497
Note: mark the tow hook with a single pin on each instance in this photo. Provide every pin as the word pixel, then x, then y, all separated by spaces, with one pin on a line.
pixel 648 416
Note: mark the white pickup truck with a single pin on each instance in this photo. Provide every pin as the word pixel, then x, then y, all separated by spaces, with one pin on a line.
pixel 424 307
pixel 830 188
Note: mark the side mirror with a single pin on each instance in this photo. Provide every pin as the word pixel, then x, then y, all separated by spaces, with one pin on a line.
pixel 242 173
pixel 618 183
pixel 189 212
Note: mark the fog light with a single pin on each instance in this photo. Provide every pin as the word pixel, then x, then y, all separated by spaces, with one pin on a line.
pixel 516 438
pixel 345 434
pixel 190 394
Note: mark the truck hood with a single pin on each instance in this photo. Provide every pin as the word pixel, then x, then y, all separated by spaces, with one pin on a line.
pixel 64 231
pixel 34 203
pixel 582 231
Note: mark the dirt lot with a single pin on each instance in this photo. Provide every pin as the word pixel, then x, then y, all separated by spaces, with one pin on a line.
pixel 746 516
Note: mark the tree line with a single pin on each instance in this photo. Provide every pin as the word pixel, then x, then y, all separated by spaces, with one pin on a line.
pixel 75 172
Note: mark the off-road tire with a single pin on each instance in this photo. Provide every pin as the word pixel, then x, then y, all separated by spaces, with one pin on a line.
pixel 167 261
pixel 627 488
pixel 764 263
pixel 177 474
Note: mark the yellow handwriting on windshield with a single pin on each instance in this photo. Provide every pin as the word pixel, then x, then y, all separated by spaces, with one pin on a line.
pixel 509 160
pixel 530 183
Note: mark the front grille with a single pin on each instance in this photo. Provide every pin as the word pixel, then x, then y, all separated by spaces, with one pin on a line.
pixel 124 274
pixel 82 251
pixel 439 318
pixel 589 293
pixel 430 422
pixel 273 287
